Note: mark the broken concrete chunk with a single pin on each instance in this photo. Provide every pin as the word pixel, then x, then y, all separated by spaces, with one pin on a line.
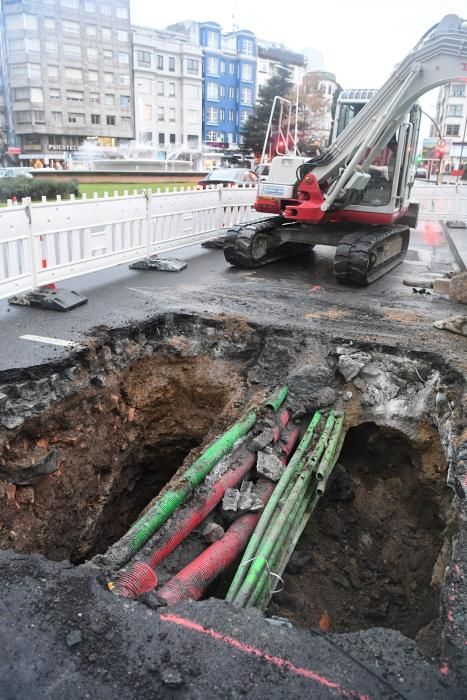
pixel 245 500
pixel 212 532
pixel 371 396
pixel 455 324
pixel 262 440
pixel 326 397
pixel 11 422
pixel 73 638
pixel 359 384
pixel 371 370
pixel 269 465
pixel 231 499
pixel 345 350
pixel 458 288
pixel 348 367
pixel 347 395
pixel 441 286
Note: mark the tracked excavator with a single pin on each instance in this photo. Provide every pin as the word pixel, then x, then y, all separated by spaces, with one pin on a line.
pixel 356 194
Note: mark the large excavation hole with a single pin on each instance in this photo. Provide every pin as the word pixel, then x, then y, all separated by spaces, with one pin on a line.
pixel 116 447
pixel 373 554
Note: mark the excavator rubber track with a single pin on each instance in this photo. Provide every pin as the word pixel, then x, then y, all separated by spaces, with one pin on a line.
pixel 362 258
pixel 253 244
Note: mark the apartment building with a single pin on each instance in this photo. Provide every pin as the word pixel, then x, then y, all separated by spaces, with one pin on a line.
pixel 451 120
pixel 229 84
pixel 273 58
pixel 167 91
pixel 67 76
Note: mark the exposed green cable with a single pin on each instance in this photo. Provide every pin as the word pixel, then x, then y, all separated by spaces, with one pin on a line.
pixel 277 398
pixel 327 462
pixel 293 467
pixel 267 543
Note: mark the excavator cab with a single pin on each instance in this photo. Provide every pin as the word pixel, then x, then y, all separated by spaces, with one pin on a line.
pixel 356 194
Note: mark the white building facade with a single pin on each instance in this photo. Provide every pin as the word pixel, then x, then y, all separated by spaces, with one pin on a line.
pixel 168 92
pixel 451 119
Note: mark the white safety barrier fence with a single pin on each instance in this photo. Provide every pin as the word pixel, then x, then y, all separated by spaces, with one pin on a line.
pixel 441 202
pixel 52 241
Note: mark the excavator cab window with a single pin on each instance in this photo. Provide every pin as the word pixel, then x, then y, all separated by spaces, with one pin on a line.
pixel 378 192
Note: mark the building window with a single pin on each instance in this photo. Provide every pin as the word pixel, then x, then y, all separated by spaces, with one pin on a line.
pixel 212 135
pixel 146 137
pixel 19 70
pixel 247 71
pixel 91 30
pixel 231 93
pixel 37 94
pixel 221 91
pixel 123 57
pixel 93 76
pixel 21 93
pixel 94 97
pixel 213 115
pixel 172 138
pixel 122 35
pixel 34 70
pixel 74 96
pixel 147 113
pixel 457 90
pixel 56 117
pixel 143 58
pixel 171 89
pixel 16 45
pixel 73 50
pixel 231 115
pixel 122 12
pixel 246 96
pixel 125 122
pixel 75 118
pixel 160 62
pixel 49 24
pixel 171 114
pixel 21 22
pixel 52 72
pixel 247 47
pixel 160 87
pixel 124 101
pixel 222 115
pixel 232 69
pixel 161 139
pixel 108 78
pixel 89 6
pixel 92 53
pixel 111 121
pixel 23 117
pixel 51 46
pixel 454 111
pixel 244 117
pixel 55 95
pixel 452 130
pixel 74 73
pixel 95 118
pixel 193 141
pixel 108 55
pixel 160 114
pixel 106 10
pixel 212 65
pixel 106 34
pixel 231 137
pixel 212 39
pixel 192 66
pixel 222 67
pixel 124 79
pixel 171 63
pixel 109 99
pixel 213 91
pixel 70 27
pixel 72 4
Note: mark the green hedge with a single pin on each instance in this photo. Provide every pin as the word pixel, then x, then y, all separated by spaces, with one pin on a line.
pixel 29 187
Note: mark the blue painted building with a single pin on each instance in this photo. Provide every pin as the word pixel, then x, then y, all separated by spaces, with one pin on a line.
pixel 229 83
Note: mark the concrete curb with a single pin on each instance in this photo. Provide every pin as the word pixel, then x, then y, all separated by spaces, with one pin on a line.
pixel 460 255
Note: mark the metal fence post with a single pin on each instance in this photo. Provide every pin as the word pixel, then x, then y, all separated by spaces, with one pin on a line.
pixel 32 251
pixel 148 196
pixel 220 212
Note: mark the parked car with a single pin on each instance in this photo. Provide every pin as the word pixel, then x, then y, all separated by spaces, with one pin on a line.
pixel 421 173
pixel 14 172
pixel 229 176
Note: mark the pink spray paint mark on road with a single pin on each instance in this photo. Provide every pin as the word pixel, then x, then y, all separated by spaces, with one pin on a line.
pixel 263 655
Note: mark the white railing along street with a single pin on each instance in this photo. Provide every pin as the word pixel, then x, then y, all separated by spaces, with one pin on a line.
pixel 441 202
pixel 47 242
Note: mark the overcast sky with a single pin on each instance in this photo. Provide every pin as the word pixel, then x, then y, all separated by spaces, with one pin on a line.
pixel 361 40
